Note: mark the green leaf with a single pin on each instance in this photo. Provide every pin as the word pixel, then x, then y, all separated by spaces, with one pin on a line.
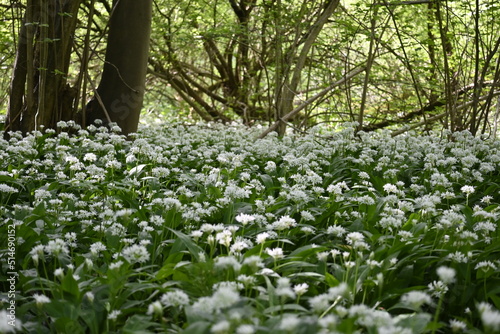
pixel 193 248
pixel 138 324
pixel 70 285
pixel 286 307
pixel 61 309
pixel 331 280
pixel 418 322
pixel 198 327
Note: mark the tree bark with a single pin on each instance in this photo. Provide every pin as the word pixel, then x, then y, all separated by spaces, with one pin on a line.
pixel 39 94
pixel 120 94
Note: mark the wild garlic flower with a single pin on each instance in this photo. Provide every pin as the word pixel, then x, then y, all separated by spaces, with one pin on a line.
pixel 221 327
pixel 262 237
pixel 97 247
pixel 244 219
pixel 336 231
pixel 275 253
pixel 457 325
pixel 283 288
pixel 175 298
pixel 113 315
pixel 41 299
pixel 7 189
pixel 225 262
pixel 284 223
pixel 245 329
pixel 155 308
pixel 289 323
pixel 390 188
pixel 301 288
pixel 467 190
pixel 485 266
pixel 57 247
pixel 416 299
pixel 489 316
pixel 446 275
pixel 135 254
pixel 438 288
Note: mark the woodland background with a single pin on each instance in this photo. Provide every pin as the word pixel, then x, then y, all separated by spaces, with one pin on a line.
pixel 400 64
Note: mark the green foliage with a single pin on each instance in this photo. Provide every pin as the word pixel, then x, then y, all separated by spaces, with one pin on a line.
pixel 197 229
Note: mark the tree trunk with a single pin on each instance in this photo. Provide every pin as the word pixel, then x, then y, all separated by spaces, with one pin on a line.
pixel 288 86
pixel 120 93
pixel 39 94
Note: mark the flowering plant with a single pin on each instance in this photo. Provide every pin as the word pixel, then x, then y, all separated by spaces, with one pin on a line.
pixel 202 229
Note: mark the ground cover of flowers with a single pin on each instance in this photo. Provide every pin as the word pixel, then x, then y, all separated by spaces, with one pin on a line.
pixel 203 229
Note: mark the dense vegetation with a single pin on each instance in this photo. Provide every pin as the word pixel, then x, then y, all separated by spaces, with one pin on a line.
pixel 213 218
pixel 203 229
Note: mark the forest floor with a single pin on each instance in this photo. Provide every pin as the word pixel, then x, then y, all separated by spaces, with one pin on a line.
pixel 204 229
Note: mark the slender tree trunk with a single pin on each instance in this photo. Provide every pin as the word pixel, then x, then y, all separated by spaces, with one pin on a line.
pixel 120 94
pixel 290 82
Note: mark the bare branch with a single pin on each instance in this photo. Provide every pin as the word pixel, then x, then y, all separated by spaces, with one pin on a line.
pixel 295 111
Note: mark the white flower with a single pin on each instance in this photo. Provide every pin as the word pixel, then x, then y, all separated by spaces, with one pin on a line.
pixel 285 222
pixel 490 317
pixel 221 327
pixel 97 247
pixel 319 303
pixel 301 289
pixel 56 247
pixel 268 272
pixel 41 299
pixel 175 298
pixel 354 237
pixel 467 190
pixel 113 315
pixel 59 273
pixel 307 216
pixel 7 189
pixel 390 188
pixel 447 275
pixel 275 253
pixel 340 290
pixel 254 261
pixel 135 254
pixel 457 325
pixel 155 308
pixel 486 199
pixel 262 237
pixel 8 322
pixel 246 280
pixel 115 265
pixel 91 157
pixel 224 238
pixel 90 296
pixel 335 230
pixel 289 323
pixel 225 262
pixel 322 256
pixel 245 329
pixel 244 219
pixel 225 296
pixel 485 266
pixel 438 288
pixel 416 298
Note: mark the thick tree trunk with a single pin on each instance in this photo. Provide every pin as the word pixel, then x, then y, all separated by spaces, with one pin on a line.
pixel 120 93
pixel 39 94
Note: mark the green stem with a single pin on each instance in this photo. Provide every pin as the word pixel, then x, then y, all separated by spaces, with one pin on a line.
pixel 436 315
